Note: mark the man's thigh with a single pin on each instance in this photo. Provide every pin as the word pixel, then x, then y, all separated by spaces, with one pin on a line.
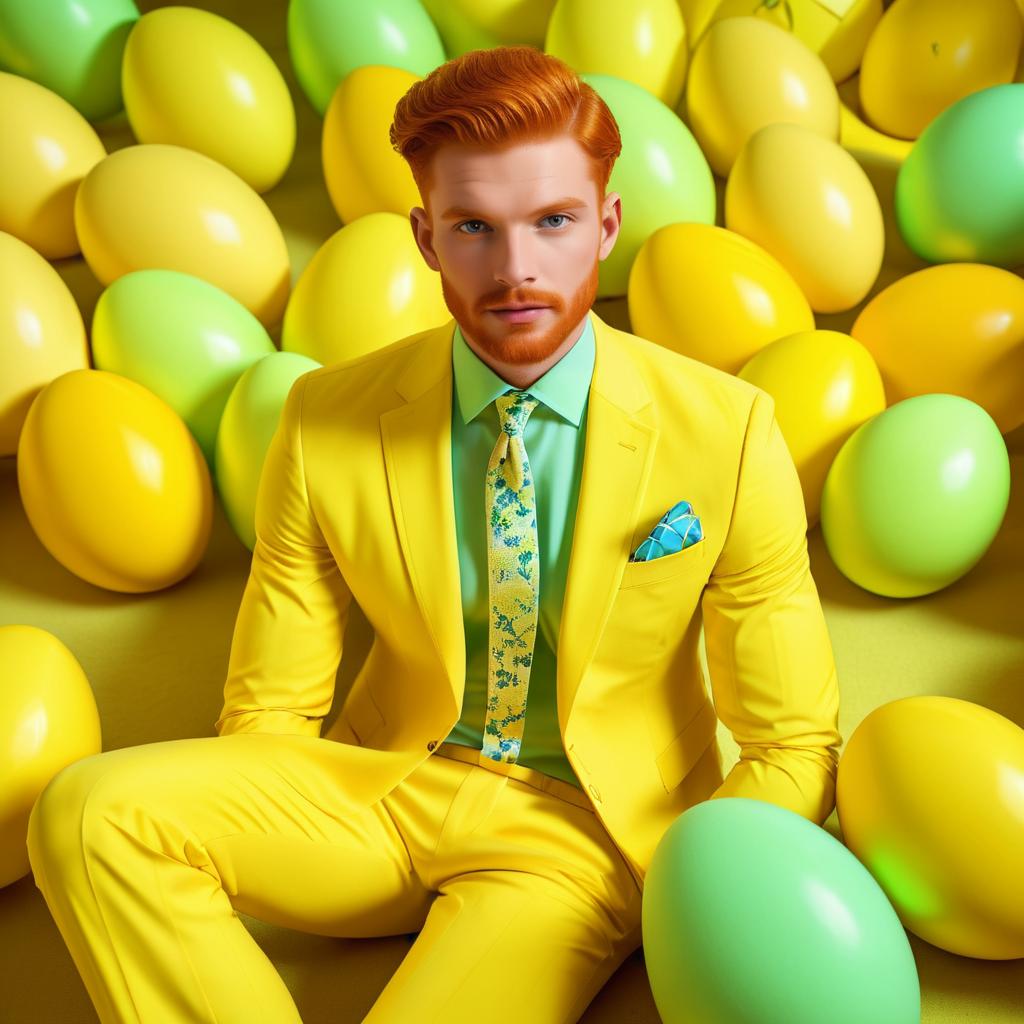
pixel 266 815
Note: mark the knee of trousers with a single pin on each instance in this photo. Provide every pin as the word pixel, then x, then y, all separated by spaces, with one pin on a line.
pixel 91 786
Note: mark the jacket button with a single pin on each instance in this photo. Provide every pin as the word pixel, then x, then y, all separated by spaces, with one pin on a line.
pixel 594 792
pixel 431 744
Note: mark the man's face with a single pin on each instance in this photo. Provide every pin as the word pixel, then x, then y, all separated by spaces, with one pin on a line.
pixel 520 224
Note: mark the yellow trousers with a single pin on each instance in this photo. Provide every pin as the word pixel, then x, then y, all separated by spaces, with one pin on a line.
pixel 144 854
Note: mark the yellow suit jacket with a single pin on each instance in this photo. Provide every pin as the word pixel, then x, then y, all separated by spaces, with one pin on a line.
pixel 355 500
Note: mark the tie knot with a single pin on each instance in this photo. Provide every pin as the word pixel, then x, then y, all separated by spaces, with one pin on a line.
pixel 514 408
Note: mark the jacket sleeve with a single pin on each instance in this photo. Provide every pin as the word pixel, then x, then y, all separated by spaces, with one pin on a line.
pixel 773 677
pixel 287 641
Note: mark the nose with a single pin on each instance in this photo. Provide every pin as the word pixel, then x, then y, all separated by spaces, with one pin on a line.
pixel 513 260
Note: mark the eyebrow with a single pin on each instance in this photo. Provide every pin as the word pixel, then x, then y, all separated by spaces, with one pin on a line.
pixel 568 203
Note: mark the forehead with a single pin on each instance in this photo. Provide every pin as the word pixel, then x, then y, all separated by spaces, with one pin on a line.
pixel 520 176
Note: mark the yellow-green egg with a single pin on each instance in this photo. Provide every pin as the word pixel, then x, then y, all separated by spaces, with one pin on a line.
pixel 195 79
pixel 364 174
pixel 366 286
pixel 809 203
pixel 825 385
pixel 168 207
pixel 42 334
pixel 48 148
pixel 48 719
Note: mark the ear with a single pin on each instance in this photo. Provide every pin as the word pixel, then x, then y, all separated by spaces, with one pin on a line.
pixel 611 220
pixel 424 236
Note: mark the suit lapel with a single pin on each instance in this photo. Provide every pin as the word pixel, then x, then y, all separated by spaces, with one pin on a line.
pixel 617 459
pixel 417 440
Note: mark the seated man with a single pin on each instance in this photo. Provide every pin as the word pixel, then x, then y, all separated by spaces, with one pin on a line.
pixel 478 488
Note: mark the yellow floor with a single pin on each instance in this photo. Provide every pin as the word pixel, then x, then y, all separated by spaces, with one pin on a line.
pixel 157 664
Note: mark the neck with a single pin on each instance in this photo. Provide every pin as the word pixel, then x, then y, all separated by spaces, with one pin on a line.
pixel 522 375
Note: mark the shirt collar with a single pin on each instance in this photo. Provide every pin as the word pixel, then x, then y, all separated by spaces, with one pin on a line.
pixel 563 388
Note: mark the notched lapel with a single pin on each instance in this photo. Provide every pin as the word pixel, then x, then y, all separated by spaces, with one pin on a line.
pixel 416 439
pixel 617 458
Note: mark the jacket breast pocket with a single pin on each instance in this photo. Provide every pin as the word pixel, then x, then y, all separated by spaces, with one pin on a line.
pixel 690 561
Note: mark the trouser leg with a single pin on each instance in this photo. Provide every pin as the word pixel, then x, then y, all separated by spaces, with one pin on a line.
pixel 144 855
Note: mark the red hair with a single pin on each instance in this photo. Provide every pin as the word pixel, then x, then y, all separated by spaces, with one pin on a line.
pixel 499 97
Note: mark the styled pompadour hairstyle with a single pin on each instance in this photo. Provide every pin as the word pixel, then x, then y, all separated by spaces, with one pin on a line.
pixel 499 97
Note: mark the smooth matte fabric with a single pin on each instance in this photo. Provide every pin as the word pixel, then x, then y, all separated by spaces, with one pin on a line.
pixel 554 438
pixel 144 855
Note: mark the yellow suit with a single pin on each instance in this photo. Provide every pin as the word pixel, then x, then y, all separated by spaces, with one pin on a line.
pixel 364 509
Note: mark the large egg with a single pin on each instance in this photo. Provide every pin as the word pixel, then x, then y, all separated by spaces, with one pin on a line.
pixel 483 24
pixel 73 47
pixel 747 73
pixel 48 148
pixel 956 328
pixel 643 42
pixel 926 54
pixel 972 150
pixel 181 337
pixel 232 104
pixel 810 204
pixel 825 385
pixel 661 175
pixel 113 483
pixel 713 295
pixel 753 914
pixel 169 207
pixel 48 718
pixel 916 495
pixel 837 32
pixel 246 428
pixel 930 797
pixel 41 333
pixel 364 174
pixel 328 39
pixel 366 286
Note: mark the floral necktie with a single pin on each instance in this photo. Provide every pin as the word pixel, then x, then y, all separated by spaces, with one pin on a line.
pixel 513 575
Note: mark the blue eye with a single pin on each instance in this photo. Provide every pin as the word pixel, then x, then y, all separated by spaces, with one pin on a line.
pixel 459 227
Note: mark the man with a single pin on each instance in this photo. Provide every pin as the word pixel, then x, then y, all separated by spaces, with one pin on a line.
pixel 478 488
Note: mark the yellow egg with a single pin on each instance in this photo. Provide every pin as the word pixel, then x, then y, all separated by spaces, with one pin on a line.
pixel 366 286
pixel 930 798
pixel 195 79
pixel 643 42
pixel 747 73
pixel 113 483
pixel 955 328
pixel 926 54
pixel 825 385
pixel 837 32
pixel 48 718
pixel 713 295
pixel 169 207
pixel 41 333
pixel 809 203
pixel 48 148
pixel 483 24
pixel 364 174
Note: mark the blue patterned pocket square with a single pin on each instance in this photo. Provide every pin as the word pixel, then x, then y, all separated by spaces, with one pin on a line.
pixel 678 528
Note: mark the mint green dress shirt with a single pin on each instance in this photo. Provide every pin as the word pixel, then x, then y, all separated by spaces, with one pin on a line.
pixel 554 440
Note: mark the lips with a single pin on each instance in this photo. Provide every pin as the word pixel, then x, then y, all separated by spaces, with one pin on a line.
pixel 505 309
